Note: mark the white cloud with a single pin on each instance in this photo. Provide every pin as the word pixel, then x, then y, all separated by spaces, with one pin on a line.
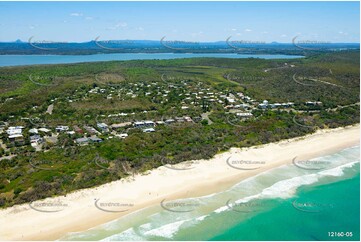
pixel 121 25
pixel 76 14
pixel 139 28
pixel 283 36
pixel 89 18
pixel 233 29
pixel 264 32
pixel 248 30
pixel 118 25
pixel 200 33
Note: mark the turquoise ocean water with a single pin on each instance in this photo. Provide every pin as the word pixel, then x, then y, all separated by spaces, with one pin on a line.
pixel 286 203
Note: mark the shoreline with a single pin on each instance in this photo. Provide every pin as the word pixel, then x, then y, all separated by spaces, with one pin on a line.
pixel 201 177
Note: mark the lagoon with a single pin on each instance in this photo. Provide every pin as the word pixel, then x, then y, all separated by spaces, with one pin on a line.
pixel 21 60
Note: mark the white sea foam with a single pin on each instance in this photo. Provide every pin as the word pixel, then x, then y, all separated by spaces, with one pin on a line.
pixel 338 171
pixel 287 188
pixel 127 235
pixel 221 209
pixel 201 218
pixel 167 230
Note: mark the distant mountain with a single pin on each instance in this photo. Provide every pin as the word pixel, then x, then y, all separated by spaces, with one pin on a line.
pixel 165 46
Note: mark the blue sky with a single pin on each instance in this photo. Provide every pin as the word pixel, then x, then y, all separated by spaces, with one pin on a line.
pixel 183 21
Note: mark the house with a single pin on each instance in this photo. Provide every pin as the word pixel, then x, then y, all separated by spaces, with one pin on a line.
pixel 16 138
pixel 14 130
pixel 33 131
pixel 2 125
pixel 90 130
pixel 179 119
pixel 188 119
pixel 159 122
pixel 61 128
pixel 120 125
pixel 95 139
pixel 230 100
pixel 262 105
pixel 36 139
pixel 313 103
pixel 77 129
pixel 275 105
pixel 169 121
pixel 149 130
pixel 149 123
pixel 139 124
pixel 82 141
pixel 123 136
pixel 287 105
pixel 103 127
pixel 244 115
pixel 45 130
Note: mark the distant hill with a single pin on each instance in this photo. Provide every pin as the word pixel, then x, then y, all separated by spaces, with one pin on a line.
pixel 164 46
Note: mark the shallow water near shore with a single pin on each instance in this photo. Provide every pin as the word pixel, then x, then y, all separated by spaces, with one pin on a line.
pixel 312 204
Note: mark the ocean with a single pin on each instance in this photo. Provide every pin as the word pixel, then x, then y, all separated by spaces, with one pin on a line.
pixel 290 202
pixel 21 60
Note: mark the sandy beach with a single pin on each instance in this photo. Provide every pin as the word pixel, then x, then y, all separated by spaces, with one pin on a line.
pixel 84 209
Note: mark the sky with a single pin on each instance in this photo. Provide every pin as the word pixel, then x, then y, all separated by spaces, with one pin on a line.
pixel 333 22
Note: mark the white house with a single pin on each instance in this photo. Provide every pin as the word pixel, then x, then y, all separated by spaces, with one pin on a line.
pixel 61 128
pixel 148 130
